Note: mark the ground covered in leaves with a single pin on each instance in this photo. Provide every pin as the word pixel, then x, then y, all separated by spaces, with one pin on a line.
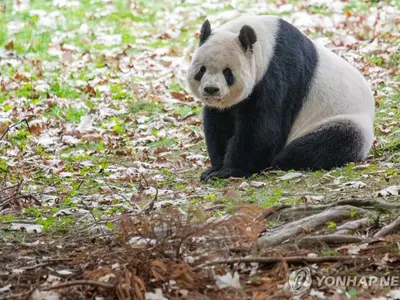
pixel 101 149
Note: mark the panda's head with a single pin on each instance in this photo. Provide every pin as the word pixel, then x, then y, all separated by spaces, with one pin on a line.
pixel 223 69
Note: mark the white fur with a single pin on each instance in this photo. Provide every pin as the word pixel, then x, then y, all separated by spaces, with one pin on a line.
pixel 338 92
pixel 223 50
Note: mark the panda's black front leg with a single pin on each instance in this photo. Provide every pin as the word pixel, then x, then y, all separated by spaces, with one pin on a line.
pixel 251 148
pixel 218 129
pixel 237 161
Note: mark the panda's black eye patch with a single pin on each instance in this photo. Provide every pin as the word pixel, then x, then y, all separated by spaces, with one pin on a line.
pixel 200 73
pixel 230 79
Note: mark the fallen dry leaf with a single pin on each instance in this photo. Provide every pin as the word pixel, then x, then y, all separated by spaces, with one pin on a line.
pixel 227 281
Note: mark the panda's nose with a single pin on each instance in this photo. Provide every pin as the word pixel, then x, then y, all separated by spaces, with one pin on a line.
pixel 211 90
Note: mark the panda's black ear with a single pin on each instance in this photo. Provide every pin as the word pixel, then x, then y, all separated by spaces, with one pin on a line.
pixel 247 37
pixel 205 32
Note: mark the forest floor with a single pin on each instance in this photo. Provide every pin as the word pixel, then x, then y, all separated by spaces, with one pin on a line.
pixel 101 148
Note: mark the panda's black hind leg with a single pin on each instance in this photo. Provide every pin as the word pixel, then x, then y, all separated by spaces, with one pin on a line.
pixel 333 145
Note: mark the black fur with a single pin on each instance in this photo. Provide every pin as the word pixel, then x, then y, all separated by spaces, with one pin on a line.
pixel 230 79
pixel 324 148
pixel 247 37
pixel 245 138
pixel 205 32
pixel 200 73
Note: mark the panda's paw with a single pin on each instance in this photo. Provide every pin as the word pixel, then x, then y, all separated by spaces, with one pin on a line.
pixel 204 175
pixel 226 173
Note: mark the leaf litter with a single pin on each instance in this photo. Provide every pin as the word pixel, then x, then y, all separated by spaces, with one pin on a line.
pixel 101 149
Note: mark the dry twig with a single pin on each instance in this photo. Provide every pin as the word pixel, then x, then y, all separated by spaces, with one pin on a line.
pixel 289 260
pixel 13 125
pixel 79 282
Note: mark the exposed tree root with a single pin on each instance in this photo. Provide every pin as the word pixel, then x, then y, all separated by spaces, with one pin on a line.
pixel 288 213
pixel 374 203
pixel 331 239
pixel 289 230
pixel 289 260
pixel 388 229
pixel 351 226
pixel 296 212
pixel 79 282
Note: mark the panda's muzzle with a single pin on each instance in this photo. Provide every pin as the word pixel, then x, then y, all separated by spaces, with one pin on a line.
pixel 211 91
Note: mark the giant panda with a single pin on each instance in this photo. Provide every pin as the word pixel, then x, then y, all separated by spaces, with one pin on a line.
pixel 275 99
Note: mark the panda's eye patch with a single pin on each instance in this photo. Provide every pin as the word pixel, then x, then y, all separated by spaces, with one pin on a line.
pixel 230 79
pixel 200 73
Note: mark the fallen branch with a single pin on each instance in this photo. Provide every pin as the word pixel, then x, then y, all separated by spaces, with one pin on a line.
pixel 13 125
pixel 289 260
pixel 375 203
pixel 392 227
pixel 330 239
pixel 45 263
pixel 40 265
pixel 79 282
pixel 351 226
pixel 334 214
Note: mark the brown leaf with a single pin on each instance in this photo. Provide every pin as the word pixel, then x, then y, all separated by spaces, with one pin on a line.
pixel 306 230
pixel 178 96
pixel 231 193
pixel 19 76
pixel 161 149
pixel 155 99
pixel 3 127
pixel 37 129
pixel 166 64
pixel 92 137
pixel 184 274
pixel 90 90
pixel 192 121
pixel 9 46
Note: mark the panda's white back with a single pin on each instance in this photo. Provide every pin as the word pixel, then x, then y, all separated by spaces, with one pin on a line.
pixel 338 91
